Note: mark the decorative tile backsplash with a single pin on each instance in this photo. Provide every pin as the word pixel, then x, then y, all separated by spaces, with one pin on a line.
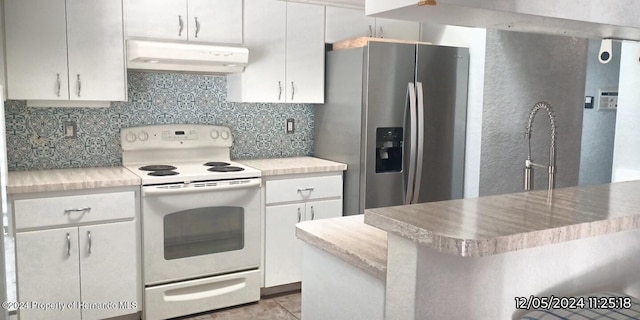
pixel 35 137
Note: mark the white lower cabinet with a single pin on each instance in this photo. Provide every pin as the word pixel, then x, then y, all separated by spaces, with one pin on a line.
pixel 283 251
pixel 78 271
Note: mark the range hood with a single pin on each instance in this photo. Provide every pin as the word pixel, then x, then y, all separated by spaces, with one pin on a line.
pixel 171 56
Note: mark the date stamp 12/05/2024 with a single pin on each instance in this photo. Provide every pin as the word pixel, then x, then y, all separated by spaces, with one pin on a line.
pixel 583 302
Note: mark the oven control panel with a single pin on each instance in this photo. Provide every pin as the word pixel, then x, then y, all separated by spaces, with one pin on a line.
pixel 175 137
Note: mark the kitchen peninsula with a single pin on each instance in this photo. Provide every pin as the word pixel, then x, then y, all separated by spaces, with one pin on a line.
pixel 471 258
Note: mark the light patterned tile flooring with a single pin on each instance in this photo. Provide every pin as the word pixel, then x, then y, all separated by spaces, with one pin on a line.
pixel 281 307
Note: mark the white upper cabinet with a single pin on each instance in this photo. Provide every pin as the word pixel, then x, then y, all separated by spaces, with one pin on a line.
pixel 305 53
pixel 161 19
pixel 95 39
pixel 397 29
pixel 218 21
pixel 265 37
pixel 215 21
pixel 286 59
pixel 344 24
pixel 65 50
pixel 36 49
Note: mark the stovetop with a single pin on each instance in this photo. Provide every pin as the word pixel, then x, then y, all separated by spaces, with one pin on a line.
pixel 193 171
pixel 181 153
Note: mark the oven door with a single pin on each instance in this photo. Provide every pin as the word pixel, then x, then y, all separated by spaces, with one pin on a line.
pixel 200 229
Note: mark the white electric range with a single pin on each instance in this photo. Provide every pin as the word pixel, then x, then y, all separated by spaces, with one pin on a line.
pixel 200 219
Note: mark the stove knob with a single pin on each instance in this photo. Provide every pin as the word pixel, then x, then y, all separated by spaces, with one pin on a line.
pixel 130 137
pixel 214 134
pixel 225 135
pixel 143 136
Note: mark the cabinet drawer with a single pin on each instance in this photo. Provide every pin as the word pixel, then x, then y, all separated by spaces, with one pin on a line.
pixel 43 212
pixel 303 189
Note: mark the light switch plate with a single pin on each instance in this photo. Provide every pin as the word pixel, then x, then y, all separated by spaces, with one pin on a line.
pixel 70 129
pixel 291 124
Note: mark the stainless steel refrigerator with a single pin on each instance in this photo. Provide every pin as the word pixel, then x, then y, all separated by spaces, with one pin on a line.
pixel 396 115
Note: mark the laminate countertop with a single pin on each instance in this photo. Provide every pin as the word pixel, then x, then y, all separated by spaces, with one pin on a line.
pixel 504 223
pixel 349 239
pixel 69 179
pixel 296 165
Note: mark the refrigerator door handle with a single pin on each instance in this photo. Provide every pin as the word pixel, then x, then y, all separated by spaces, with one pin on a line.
pixel 411 96
pixel 421 137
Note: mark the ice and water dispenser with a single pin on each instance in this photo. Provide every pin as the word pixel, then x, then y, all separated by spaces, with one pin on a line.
pixel 389 149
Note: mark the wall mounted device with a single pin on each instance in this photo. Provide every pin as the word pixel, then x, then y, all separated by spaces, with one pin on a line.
pixel 588 102
pixel 606 51
pixel 608 99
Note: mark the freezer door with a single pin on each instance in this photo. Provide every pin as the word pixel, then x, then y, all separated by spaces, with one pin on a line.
pixel 389 69
pixel 442 74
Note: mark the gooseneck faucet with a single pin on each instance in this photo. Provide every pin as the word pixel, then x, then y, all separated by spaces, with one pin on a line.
pixel 529 164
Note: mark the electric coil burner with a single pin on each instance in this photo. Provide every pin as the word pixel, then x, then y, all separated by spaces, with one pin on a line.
pixel 200 223
pixel 216 164
pixel 225 169
pixel 157 167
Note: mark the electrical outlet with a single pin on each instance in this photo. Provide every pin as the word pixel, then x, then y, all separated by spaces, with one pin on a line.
pixel 291 124
pixel 70 129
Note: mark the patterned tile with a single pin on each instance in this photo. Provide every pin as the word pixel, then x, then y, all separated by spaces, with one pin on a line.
pixel 35 136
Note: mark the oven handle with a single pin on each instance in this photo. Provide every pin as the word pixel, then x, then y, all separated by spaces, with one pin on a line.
pixel 155 191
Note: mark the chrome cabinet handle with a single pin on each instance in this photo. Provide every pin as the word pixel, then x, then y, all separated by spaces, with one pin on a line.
pixel 293 90
pixel 313 213
pixel 381 33
pixel 79 85
pixel 370 32
pixel 306 189
pixel 85 209
pixel 68 244
pixel 197 26
pixel 299 215
pixel 89 238
pixel 279 90
pixel 58 84
pixel 180 26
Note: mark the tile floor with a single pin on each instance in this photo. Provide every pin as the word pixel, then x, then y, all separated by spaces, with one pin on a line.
pixel 280 307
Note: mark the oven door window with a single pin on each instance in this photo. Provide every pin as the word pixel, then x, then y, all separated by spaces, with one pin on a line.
pixel 203 231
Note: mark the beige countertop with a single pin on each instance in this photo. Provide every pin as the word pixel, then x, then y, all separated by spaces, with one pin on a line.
pixel 503 223
pixel 297 165
pixel 69 179
pixel 349 239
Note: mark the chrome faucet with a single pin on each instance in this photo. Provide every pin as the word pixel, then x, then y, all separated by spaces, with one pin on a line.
pixel 528 164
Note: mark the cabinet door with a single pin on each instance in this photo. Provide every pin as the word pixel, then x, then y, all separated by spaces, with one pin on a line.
pixel 397 29
pixel 305 53
pixel 283 251
pixel 108 268
pixel 344 24
pixel 215 21
pixel 36 48
pixel 158 19
pixel 47 269
pixel 323 209
pixel 264 35
pixel 95 37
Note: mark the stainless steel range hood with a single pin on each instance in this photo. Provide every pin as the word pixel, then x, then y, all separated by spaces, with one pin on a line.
pixel 170 56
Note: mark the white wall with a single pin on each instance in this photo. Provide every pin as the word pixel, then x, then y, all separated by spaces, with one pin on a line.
pixel 626 150
pixel 474 39
pixel 598 126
